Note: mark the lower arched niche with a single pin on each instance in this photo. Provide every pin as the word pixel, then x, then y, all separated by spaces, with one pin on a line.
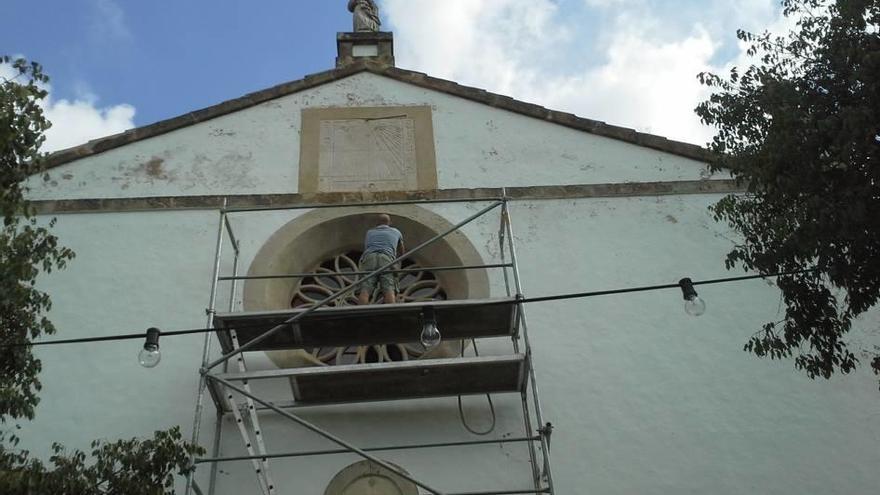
pixel 369 478
pixel 303 244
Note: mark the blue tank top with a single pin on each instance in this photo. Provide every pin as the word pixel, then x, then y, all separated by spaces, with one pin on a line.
pixel 382 239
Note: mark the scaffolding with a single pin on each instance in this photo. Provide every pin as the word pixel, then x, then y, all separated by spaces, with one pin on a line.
pixel 322 326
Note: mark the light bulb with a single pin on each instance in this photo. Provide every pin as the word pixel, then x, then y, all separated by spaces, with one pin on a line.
pixel 150 356
pixel 430 335
pixel 694 306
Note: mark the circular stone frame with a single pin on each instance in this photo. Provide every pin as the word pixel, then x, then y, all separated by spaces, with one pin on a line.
pixel 304 242
pixel 368 478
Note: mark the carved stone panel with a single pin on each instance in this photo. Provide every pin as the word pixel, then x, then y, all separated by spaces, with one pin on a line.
pixel 380 154
pixel 367 149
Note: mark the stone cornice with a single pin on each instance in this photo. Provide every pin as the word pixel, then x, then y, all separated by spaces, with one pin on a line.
pixel 577 191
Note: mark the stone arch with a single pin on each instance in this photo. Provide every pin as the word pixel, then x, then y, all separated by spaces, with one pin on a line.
pixel 304 242
pixel 369 478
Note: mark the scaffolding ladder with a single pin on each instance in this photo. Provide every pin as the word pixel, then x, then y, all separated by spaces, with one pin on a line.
pixel 323 326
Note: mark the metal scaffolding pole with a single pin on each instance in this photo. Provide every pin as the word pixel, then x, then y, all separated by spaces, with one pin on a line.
pixel 527 418
pixel 282 455
pixel 234 280
pixel 206 350
pixel 218 432
pixel 325 434
pixel 346 290
pixel 539 415
pixel 404 270
pixel 505 492
pixel 315 206
pixel 206 377
pixel 229 231
pixel 218 429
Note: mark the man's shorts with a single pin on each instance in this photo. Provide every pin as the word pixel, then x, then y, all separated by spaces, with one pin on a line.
pixel 371 262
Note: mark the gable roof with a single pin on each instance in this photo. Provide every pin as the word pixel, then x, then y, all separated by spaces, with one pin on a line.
pixel 407 76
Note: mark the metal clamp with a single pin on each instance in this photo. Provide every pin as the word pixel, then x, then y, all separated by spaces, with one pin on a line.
pixel 547 430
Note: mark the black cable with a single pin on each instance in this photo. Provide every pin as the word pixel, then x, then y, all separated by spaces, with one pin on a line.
pixel 488 398
pixel 520 300
pixel 578 295
pixel 132 336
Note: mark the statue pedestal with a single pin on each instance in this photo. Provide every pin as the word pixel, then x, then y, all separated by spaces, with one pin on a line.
pixel 375 46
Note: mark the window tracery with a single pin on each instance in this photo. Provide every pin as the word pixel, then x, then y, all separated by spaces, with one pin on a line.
pixel 339 271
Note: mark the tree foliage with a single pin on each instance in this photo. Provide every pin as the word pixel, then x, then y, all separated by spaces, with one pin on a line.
pixel 139 467
pixel 800 130
pixel 27 249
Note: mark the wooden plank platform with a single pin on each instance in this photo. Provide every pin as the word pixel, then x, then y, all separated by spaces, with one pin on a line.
pixel 371 324
pixel 399 380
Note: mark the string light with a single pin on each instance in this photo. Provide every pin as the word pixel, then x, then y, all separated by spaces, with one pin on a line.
pixel 693 305
pixel 430 336
pixel 521 300
pixel 150 356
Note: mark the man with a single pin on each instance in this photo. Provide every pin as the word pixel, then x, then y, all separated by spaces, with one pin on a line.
pixel 382 244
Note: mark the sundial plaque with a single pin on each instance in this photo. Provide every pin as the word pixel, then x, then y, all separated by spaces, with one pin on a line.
pixel 367 149
pixel 377 154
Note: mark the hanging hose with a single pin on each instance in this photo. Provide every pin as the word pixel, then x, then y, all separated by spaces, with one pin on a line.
pixel 488 398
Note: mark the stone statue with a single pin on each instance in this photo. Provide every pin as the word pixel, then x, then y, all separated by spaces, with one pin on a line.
pixel 366 15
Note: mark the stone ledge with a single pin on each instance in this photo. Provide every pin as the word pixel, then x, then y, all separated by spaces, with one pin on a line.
pixel 524 193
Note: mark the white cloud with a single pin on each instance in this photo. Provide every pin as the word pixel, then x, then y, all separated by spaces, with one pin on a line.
pixel 645 77
pixel 605 3
pixel 76 122
pixel 80 120
pixel 474 40
pixel 643 84
pixel 108 21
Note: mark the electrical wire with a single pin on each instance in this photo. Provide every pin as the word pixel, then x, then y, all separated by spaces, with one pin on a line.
pixel 520 300
pixel 488 398
pixel 131 336
pixel 578 295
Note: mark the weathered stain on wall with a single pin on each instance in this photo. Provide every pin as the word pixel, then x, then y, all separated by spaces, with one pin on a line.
pixel 143 171
pixel 153 169
pixel 166 170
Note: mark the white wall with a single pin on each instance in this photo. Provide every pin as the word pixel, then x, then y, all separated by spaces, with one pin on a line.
pixel 132 271
pixel 644 398
pixel 256 151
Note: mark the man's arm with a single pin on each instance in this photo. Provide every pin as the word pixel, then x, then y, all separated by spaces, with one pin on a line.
pixel 400 248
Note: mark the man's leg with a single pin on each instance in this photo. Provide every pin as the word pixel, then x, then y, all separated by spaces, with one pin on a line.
pixel 367 264
pixel 389 296
pixel 363 297
pixel 388 283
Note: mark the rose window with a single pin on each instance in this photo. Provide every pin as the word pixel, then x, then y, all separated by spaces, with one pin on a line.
pixel 338 272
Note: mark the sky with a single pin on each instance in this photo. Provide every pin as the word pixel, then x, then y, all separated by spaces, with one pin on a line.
pixel 118 64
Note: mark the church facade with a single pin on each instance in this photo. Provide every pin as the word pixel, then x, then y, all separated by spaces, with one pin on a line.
pixel 642 397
